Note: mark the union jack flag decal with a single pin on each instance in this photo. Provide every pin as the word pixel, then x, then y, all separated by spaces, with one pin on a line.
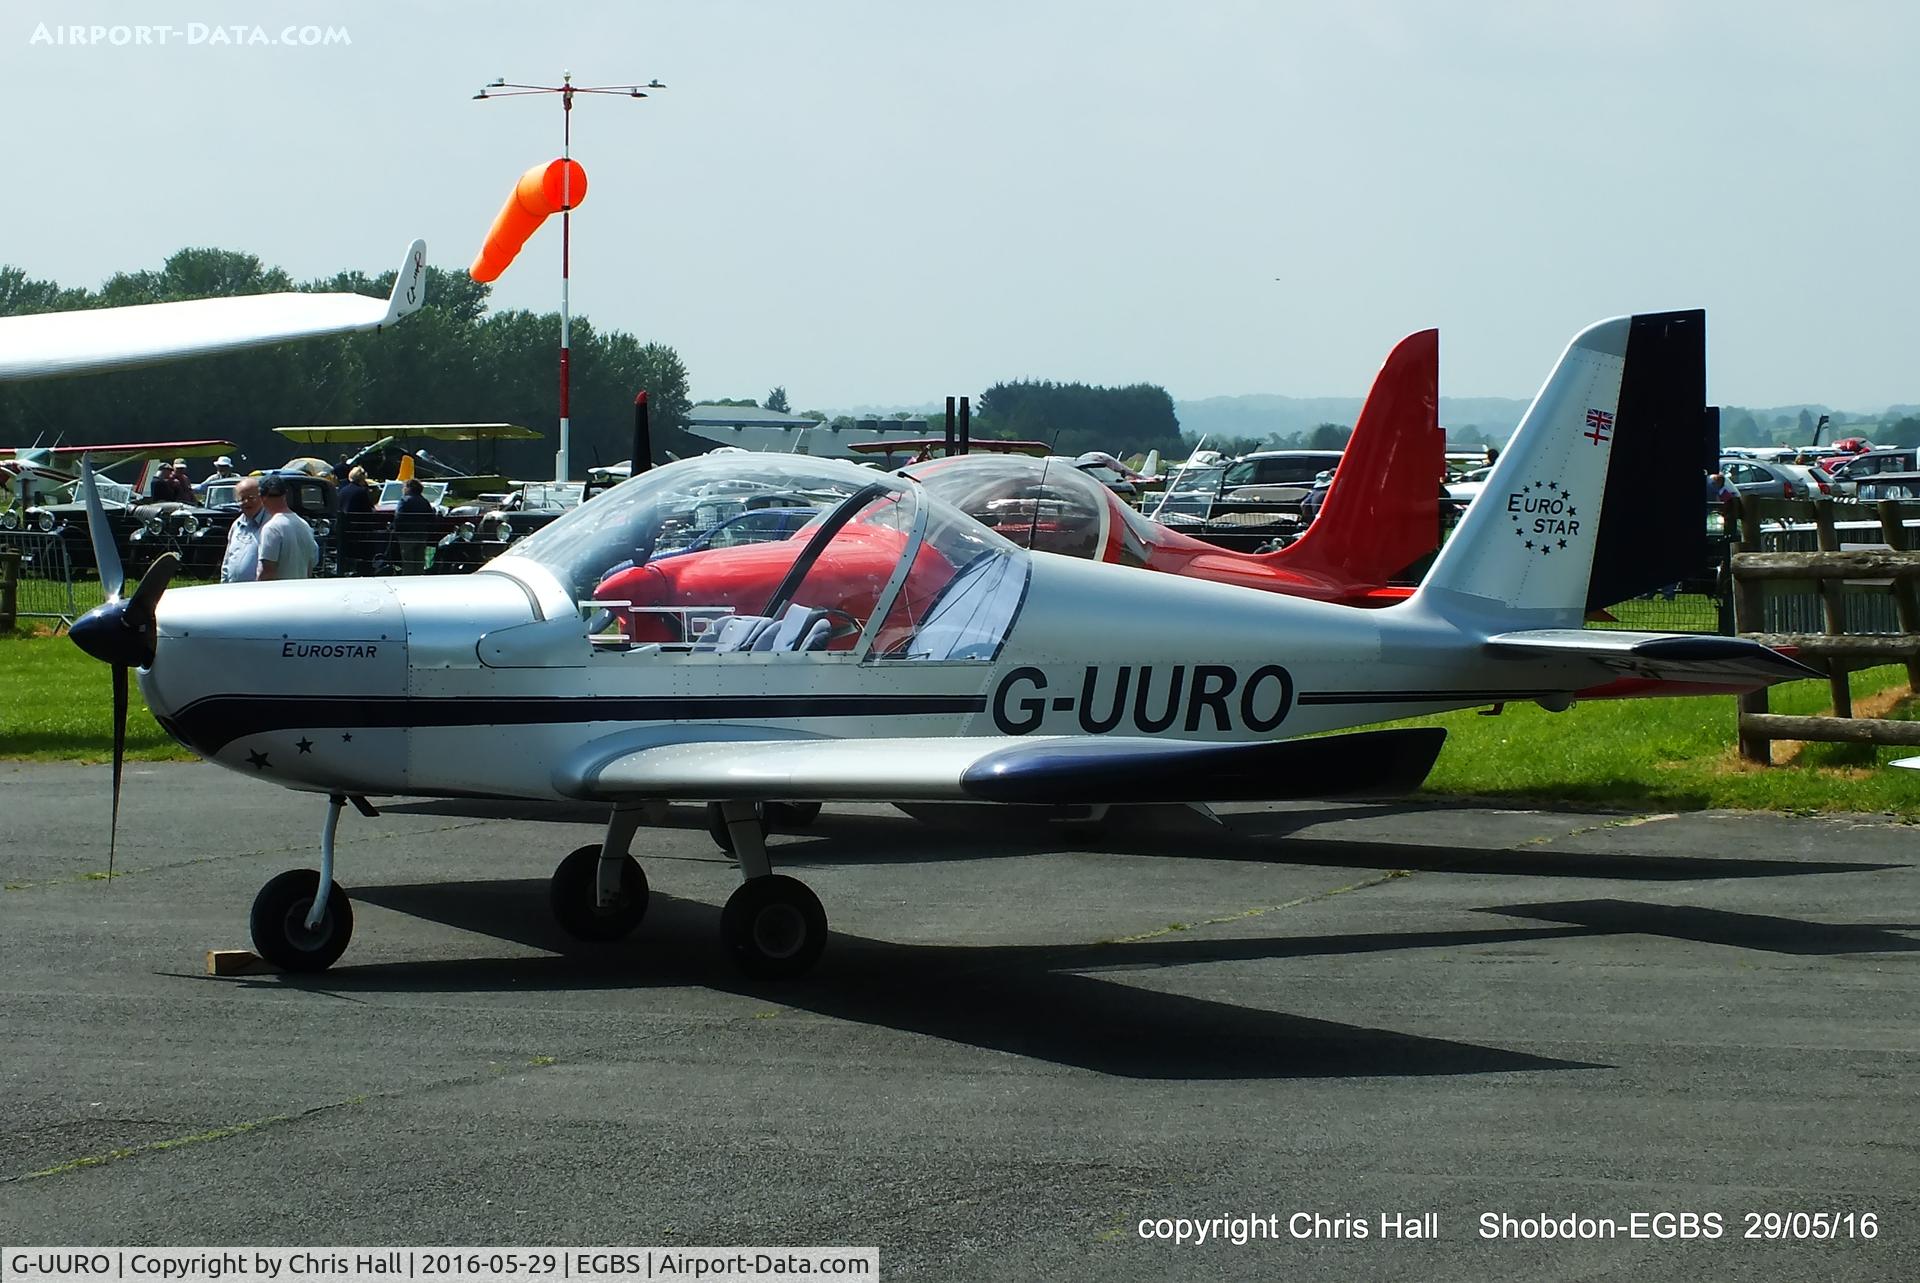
pixel 1599 426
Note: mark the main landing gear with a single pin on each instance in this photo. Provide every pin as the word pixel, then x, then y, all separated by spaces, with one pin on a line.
pixel 773 926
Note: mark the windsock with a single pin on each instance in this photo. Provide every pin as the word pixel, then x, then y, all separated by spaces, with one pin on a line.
pixel 542 190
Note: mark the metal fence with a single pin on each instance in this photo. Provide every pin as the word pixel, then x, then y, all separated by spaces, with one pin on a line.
pixel 46 576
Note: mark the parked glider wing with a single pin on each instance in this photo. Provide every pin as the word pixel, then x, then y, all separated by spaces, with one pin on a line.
pixel 1043 769
pixel 48 344
pixel 1661 656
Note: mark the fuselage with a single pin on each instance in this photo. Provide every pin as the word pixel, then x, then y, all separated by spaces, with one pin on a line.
pixel 491 685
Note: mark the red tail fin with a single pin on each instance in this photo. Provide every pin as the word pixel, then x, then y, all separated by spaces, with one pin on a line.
pixel 1382 513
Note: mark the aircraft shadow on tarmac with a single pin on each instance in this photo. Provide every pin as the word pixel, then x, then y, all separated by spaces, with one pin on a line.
pixel 1024 1000
pixel 864 840
pixel 959 832
pixel 1764 932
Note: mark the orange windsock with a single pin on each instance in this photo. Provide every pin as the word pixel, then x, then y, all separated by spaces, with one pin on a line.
pixel 542 190
pixel 405 470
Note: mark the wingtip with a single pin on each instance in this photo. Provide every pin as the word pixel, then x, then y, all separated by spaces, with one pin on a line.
pixel 409 284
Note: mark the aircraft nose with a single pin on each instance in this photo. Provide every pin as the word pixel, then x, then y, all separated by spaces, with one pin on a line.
pixel 107 634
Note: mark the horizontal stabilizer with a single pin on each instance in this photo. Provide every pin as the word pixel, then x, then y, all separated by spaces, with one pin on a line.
pixel 1664 657
pixel 49 344
pixel 1052 770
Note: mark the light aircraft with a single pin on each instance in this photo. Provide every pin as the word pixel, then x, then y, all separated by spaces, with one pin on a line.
pixel 975 670
pixel 45 345
pixel 1371 527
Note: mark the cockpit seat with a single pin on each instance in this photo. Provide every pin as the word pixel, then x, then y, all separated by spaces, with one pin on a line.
pixel 793 629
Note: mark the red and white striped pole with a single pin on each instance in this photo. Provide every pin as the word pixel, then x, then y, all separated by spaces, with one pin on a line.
pixel 566 256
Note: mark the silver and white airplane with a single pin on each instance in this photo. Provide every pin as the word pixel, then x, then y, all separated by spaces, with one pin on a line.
pixel 44 345
pixel 895 650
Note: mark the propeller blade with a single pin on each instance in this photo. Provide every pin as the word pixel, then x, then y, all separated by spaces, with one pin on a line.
pixel 105 555
pixel 119 760
pixel 147 595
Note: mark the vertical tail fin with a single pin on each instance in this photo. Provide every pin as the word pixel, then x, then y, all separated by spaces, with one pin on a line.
pixel 1546 525
pixel 1382 513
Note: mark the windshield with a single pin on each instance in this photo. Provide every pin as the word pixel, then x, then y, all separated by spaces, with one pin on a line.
pixel 738 553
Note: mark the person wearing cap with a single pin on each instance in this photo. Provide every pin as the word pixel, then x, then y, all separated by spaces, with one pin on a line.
pixel 222 471
pixel 182 488
pixel 288 549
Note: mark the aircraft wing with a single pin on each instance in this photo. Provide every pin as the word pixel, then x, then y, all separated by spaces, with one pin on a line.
pixel 1659 656
pixel 47 344
pixel 1051 769
pixel 120 451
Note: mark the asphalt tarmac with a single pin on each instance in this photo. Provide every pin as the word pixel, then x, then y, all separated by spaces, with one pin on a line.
pixel 1022 1043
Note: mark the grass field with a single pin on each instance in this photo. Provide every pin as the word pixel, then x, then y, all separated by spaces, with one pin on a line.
pixel 1677 754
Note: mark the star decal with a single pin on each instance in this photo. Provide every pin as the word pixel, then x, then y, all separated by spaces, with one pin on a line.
pixel 1529 545
pixel 346 737
pixel 257 760
pixel 1563 543
pixel 305 745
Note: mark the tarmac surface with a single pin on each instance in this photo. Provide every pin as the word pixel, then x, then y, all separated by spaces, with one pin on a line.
pixel 1024 1040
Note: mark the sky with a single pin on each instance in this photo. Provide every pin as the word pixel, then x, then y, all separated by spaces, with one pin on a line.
pixel 876 202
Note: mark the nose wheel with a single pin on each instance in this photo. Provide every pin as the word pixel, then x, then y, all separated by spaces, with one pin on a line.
pixel 282 925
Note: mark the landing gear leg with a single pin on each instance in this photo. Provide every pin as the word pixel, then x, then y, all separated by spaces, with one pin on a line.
pixel 773 926
pixel 301 920
pixel 599 892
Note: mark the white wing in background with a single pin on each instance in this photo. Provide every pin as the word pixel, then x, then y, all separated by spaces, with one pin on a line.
pixel 50 344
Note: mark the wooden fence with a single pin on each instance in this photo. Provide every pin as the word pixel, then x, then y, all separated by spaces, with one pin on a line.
pixel 1895 566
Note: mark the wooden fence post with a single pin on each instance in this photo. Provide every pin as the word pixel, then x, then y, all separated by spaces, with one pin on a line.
pixel 1833 607
pixel 1749 616
pixel 9 590
pixel 1906 598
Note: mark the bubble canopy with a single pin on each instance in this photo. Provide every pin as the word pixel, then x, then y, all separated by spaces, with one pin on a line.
pixel 755 552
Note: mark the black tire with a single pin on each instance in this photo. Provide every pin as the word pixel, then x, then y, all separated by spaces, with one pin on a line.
pixel 790 815
pixel 278 923
pixel 717 824
pixel 774 927
pixel 573 893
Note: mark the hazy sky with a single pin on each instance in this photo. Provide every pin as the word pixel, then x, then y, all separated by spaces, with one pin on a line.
pixel 892 201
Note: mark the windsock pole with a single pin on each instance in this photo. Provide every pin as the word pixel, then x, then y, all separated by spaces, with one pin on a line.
pixel 566 256
pixel 531 202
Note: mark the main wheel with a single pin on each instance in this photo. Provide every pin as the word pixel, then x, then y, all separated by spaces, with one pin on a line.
pixel 717 825
pixel 790 815
pixel 279 922
pixel 574 894
pixel 774 927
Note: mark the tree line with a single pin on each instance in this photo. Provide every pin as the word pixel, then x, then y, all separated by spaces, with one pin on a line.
pixel 448 363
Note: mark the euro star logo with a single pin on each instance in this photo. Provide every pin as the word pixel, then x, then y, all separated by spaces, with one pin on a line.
pixel 1543 517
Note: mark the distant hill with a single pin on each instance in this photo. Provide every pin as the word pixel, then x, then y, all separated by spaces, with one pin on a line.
pixel 1267 414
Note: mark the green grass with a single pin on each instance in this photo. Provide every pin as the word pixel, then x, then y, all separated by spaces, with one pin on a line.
pixel 1676 754
pixel 56 705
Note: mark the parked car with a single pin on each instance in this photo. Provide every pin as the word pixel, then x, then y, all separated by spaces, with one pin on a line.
pixel 1280 476
pixel 1888 485
pixel 1850 471
pixel 760 525
pixel 1767 480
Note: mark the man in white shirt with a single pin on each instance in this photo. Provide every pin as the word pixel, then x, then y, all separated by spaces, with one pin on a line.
pixel 288 549
pixel 241 562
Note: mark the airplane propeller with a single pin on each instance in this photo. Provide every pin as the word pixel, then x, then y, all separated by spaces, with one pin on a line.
pixel 118 632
